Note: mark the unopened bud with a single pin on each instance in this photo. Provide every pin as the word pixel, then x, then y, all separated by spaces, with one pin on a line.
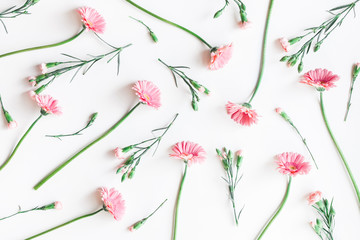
pixel 294 40
pixel 218 13
pixel 300 67
pixel 153 36
pixel 194 105
pixel 137 225
pixel 284 58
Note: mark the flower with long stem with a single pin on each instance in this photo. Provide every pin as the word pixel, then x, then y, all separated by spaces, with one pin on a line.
pixel 79 132
pixel 48 106
pixel 151 33
pixel 242 11
pixel 290 164
pixel 92 21
pixel 231 165
pixel 140 223
pixel 15 11
pixel 322 80
pixel 128 168
pixel 148 93
pixel 243 113
pixel 324 226
pixel 113 203
pixel 190 153
pixel 219 56
pixel 288 119
pixel 11 123
pixel 318 34
pixel 355 74
pixel 55 205
pixel 74 64
pixel 193 85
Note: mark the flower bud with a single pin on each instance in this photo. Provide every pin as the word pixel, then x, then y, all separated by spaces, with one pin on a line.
pixel 153 36
pixel 239 159
pixel 194 105
pixel 243 16
pixel 123 177
pixel 137 225
pixel 40 89
pixel 284 58
pixel 55 205
pixel 356 70
pixel 225 164
pixel 317 46
pixel 93 118
pixel 218 13
pixel 300 67
pixel 52 64
pixel 295 40
pixel 132 173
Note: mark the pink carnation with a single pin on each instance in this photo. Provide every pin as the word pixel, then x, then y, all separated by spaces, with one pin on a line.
pixel 242 114
pixel 220 57
pixel 32 81
pixel 119 153
pixel 292 164
pixel 113 202
pixel 12 125
pixel 244 25
pixel 47 104
pixel 148 93
pixel 43 68
pixel 284 44
pixel 314 197
pixel 92 19
pixel 320 78
pixel 189 152
pixel 58 205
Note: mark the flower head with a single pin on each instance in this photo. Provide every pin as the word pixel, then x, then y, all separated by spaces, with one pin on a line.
pixel 119 153
pixel 292 164
pixel 92 19
pixel 113 202
pixel 48 104
pixel 32 81
pixel 320 78
pixel 148 93
pixel 43 68
pixel 242 114
pixel 284 44
pixel 58 205
pixel 314 197
pixel 189 152
pixel 220 57
pixel 12 124
pixel 244 25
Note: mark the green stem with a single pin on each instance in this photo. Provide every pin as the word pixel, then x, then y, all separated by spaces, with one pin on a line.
pixel 19 143
pixel 50 175
pixel 178 202
pixel 169 22
pixel 278 210
pixel 338 148
pixel 156 209
pixel 64 224
pixel 44 46
pixel 19 212
pixel 263 53
pixel 349 101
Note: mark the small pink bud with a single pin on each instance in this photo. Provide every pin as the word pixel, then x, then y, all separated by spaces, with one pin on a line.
pixel 201 89
pixel 119 153
pixel 278 110
pixel 43 68
pixel 31 81
pixel 131 229
pixel 58 205
pixel 357 65
pixel 32 94
pixel 244 25
pixel 12 125
pixel 284 42
pixel 314 197
pixel 238 153
pixel 312 224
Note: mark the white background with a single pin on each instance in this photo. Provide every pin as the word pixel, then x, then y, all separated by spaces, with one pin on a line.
pixel 205 209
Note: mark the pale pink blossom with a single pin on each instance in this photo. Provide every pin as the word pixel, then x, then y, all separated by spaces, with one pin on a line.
pixel 284 44
pixel 189 152
pixel 292 164
pixel 278 110
pixel 43 68
pixel 242 114
pixel 314 197
pixel 244 25
pixel 201 89
pixel 32 94
pixel 148 93
pixel 92 19
pixel 220 56
pixel 32 81
pixel 48 104
pixel 58 205
pixel 12 125
pixel 320 78
pixel 131 228
pixel 238 152
pixel 119 153
pixel 113 202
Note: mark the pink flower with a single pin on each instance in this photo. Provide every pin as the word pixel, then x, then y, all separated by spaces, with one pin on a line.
pixel 32 94
pixel 320 78
pixel 92 19
pixel 58 205
pixel 242 114
pixel 148 93
pixel 201 89
pixel 189 152
pixel 119 153
pixel 43 68
pixel 238 153
pixel 48 104
pixel 292 164
pixel 113 202
pixel 220 56
pixel 284 44
pixel 131 228
pixel 32 81
pixel 12 125
pixel 244 25
pixel 278 110
pixel 314 197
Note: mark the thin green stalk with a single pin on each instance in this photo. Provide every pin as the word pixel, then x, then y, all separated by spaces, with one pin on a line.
pixel 278 210
pixel 64 224
pixel 178 202
pixel 350 95
pixel 338 148
pixel 263 53
pixel 157 209
pixel 169 22
pixel 44 46
pixel 19 143
pixel 50 175
pixel 19 212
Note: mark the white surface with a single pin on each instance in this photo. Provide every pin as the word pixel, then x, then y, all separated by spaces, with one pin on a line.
pixel 205 209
